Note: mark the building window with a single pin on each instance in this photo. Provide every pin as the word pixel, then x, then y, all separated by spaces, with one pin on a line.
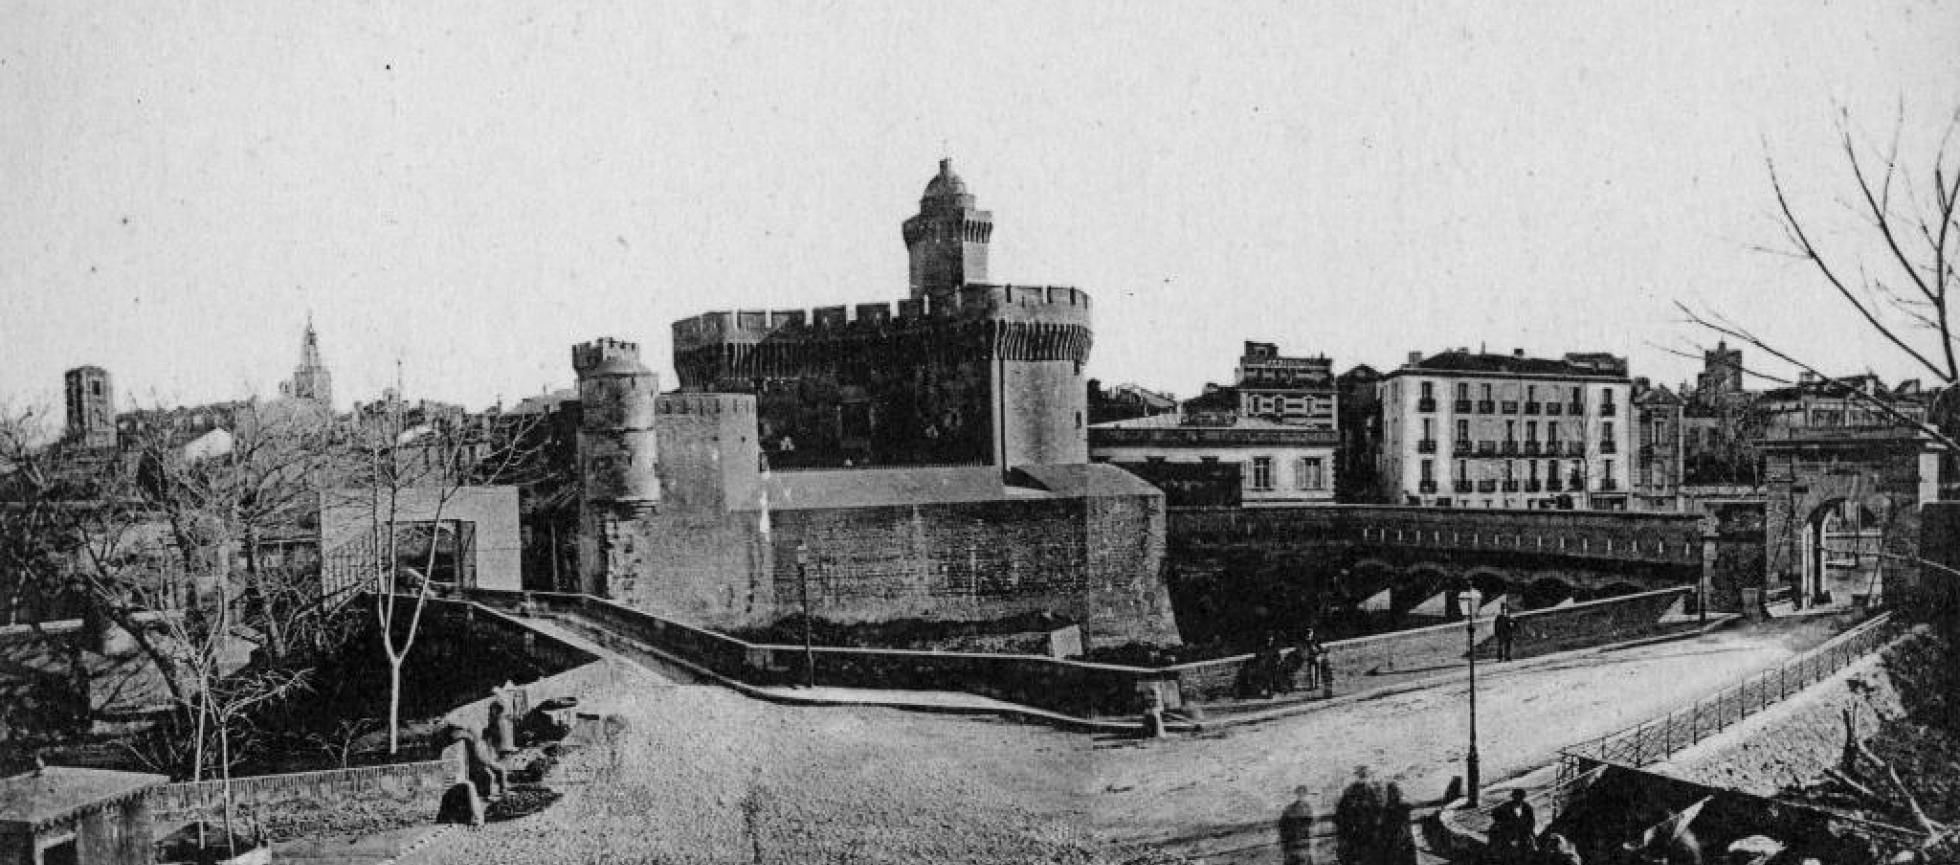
pixel 1531 431
pixel 1463 470
pixel 1462 390
pixel 1486 391
pixel 1307 474
pixel 1606 429
pixel 1462 430
pixel 1510 430
pixel 1428 471
pixel 1428 429
pixel 1551 431
pixel 1531 393
pixel 1428 391
pixel 1262 474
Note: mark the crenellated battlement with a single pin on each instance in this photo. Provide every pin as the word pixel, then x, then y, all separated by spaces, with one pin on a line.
pixel 589 356
pixel 1033 304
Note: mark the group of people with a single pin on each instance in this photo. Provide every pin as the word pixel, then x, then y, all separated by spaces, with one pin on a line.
pixel 1274 671
pixel 1371 825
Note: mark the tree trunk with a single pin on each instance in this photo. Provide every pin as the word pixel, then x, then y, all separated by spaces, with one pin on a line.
pixel 394 704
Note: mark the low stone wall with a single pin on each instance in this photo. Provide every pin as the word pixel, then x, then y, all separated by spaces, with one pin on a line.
pixel 1438 646
pixel 419 782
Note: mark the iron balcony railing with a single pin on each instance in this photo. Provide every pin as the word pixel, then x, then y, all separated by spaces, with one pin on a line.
pixel 1487 448
pixel 1608 410
pixel 1510 447
pixel 1462 406
pixel 1461 447
pixel 1426 404
pixel 1426 486
pixel 1510 406
pixel 1552 408
pixel 1575 408
pixel 1531 406
pixel 1486 486
pixel 1485 406
pixel 1510 486
pixel 1426 446
pixel 1531 486
pixel 1461 486
pixel 1609 446
pixel 1551 485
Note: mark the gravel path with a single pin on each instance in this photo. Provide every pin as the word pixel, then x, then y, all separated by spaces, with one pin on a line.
pixel 697 774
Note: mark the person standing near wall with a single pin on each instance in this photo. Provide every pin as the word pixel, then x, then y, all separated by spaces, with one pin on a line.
pixel 1505 628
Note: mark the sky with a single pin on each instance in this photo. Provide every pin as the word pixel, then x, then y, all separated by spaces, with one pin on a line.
pixel 456 193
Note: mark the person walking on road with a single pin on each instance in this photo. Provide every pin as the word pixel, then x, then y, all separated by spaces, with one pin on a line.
pixel 1296 828
pixel 1357 819
pixel 1397 846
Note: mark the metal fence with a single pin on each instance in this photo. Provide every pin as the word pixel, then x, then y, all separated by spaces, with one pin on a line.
pixel 1660 738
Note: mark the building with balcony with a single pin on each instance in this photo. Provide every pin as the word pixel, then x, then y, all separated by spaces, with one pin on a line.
pixel 1279 463
pixel 1295 390
pixel 1474 429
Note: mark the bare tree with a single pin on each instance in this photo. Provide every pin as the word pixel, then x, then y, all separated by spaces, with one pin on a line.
pixel 1897 277
pixel 407 474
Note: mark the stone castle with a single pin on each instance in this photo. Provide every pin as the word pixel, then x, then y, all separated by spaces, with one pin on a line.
pixel 924 461
pixel 961 373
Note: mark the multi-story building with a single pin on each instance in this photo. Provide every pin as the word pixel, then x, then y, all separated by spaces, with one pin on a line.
pixel 1295 390
pixel 1470 429
pixel 1658 438
pixel 1361 435
pixel 1279 463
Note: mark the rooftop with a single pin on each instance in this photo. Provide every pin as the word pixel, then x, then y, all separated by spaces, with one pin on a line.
pixel 1517 363
pixel 57 792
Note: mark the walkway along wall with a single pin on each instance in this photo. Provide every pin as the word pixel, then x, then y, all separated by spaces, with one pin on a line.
pixel 1084 689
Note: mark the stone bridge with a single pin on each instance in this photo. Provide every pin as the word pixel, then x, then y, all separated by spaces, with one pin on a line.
pixel 1264 568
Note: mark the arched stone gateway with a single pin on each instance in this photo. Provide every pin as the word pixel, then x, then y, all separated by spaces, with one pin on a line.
pixel 1842 516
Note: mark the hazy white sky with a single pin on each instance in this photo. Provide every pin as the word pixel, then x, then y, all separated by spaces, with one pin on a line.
pixel 473 187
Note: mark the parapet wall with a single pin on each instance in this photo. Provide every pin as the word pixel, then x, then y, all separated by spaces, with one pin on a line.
pixel 1019 303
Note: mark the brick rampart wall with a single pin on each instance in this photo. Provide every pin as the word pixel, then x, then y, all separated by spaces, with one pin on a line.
pixel 1096 560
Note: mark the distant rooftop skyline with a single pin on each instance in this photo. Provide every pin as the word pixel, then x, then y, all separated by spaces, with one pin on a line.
pixel 472 191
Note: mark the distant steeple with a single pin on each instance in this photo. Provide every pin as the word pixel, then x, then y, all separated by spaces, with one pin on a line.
pixel 310 381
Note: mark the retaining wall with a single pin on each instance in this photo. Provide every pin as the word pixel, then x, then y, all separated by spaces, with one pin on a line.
pixel 1085 689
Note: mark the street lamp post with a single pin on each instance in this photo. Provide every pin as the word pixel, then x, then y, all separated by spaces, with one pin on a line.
pixel 803 589
pixel 1471 598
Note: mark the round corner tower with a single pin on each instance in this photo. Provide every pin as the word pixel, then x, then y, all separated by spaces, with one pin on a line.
pixel 618 477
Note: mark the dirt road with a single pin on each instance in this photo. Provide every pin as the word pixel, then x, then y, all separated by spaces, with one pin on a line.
pixel 1217 795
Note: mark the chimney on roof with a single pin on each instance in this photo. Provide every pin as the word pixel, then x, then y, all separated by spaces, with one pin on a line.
pixel 1517 352
pixel 1415 357
pixel 1806 377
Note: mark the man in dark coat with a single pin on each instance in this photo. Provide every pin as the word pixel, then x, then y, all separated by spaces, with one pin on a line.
pixel 1506 630
pixel 1513 830
pixel 1296 829
pixel 1357 819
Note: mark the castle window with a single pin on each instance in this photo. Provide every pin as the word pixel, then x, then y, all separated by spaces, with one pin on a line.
pixel 95 388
